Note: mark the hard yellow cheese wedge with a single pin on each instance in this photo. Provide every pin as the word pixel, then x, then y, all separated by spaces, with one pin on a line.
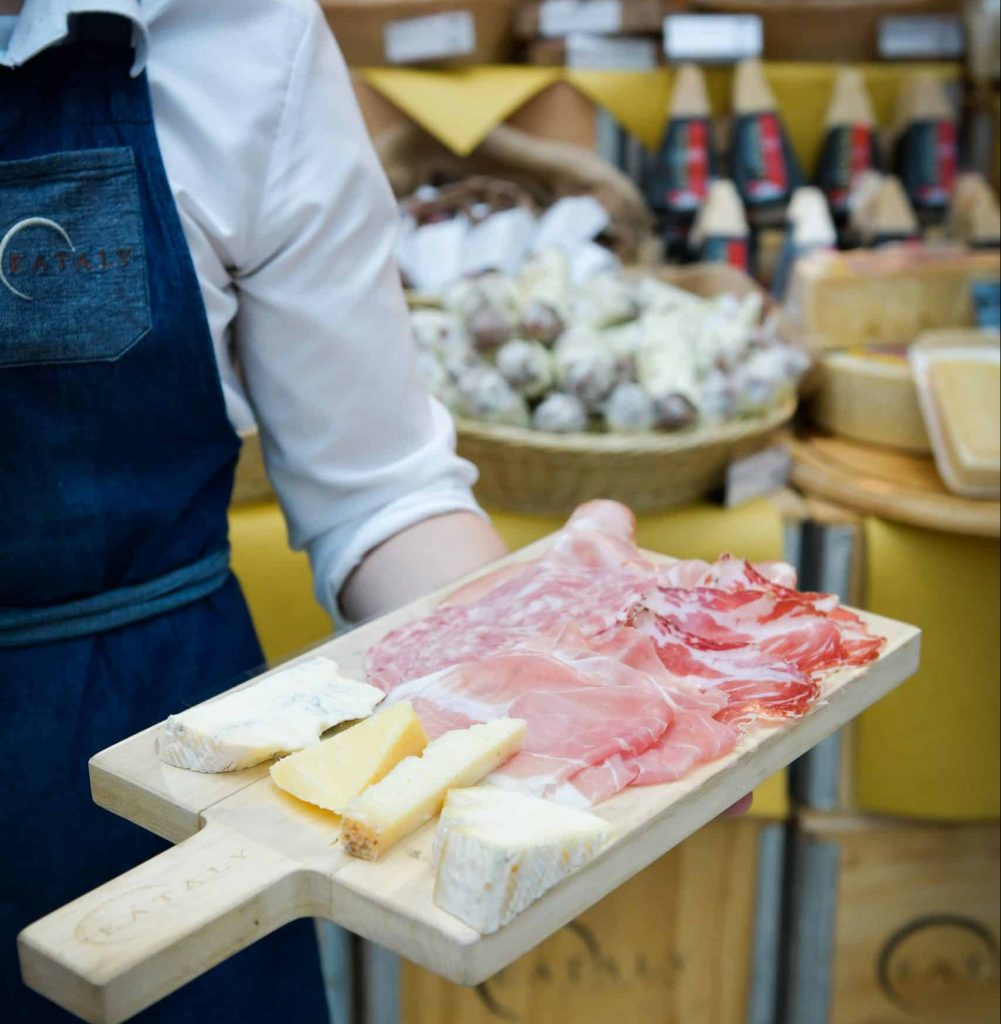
pixel 968 393
pixel 333 772
pixel 414 791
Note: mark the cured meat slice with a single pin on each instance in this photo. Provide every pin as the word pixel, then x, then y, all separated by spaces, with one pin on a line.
pixel 693 735
pixel 590 577
pixel 626 672
pixel 581 708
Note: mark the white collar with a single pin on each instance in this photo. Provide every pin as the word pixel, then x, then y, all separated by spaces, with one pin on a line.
pixel 45 23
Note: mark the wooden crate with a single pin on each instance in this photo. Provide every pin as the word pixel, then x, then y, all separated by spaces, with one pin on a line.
pixel 915 922
pixel 673 944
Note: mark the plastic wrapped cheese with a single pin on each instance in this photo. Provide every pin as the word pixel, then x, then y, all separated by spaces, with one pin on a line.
pixel 560 414
pixel 545 278
pixel 606 299
pixel 585 367
pixel 527 366
pixel 629 410
pixel 485 395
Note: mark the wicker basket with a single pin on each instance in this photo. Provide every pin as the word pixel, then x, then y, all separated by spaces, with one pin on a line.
pixel 549 474
pixel 545 169
pixel 537 473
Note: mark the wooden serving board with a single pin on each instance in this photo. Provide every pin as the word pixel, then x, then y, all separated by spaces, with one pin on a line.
pixel 893 485
pixel 250 858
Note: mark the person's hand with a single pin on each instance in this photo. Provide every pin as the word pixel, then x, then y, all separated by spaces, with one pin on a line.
pixel 742 806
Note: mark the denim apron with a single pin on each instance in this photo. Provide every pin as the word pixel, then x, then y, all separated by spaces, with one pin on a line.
pixel 117 605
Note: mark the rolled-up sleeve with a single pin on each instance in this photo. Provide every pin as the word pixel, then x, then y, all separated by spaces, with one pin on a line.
pixel 355 446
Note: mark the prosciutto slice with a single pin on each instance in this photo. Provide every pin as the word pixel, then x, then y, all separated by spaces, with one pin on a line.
pixel 627 672
pixel 584 710
pixel 590 577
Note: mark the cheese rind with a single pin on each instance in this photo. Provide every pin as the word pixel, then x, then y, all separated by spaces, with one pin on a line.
pixel 331 773
pixel 497 851
pixel 285 711
pixel 415 789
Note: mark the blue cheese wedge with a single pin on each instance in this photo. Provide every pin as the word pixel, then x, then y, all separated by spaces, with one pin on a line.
pixel 286 711
pixel 496 851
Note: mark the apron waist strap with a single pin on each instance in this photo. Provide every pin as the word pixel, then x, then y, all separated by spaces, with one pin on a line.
pixel 114 608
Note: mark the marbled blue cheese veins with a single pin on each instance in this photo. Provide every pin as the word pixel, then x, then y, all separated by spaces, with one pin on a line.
pixel 283 712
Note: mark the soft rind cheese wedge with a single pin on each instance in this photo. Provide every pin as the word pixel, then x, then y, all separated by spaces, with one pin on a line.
pixel 496 851
pixel 331 773
pixel 285 711
pixel 414 791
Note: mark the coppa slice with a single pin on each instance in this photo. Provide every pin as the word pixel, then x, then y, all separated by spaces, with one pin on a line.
pixel 496 852
pixel 285 711
pixel 415 789
pixel 331 773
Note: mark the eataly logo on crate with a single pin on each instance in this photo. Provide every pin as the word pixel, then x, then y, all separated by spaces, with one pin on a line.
pixel 590 966
pixel 931 957
pixel 18 265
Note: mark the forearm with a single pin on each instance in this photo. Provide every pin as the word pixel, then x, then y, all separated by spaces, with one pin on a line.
pixel 417 560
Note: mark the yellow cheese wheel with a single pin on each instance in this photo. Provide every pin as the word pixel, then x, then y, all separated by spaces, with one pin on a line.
pixel 869 396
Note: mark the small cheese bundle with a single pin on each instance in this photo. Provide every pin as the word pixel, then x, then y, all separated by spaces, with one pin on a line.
pixel 287 710
pixel 414 791
pixel 496 851
pixel 331 773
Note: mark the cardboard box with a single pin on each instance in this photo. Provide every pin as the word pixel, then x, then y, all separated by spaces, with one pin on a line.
pixel 371 33
pixel 555 18
pixel 825 30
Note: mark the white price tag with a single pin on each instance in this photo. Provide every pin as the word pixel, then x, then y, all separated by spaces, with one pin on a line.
pixel 719 38
pixel 569 222
pixel 498 242
pixel 756 475
pixel 611 52
pixel 435 254
pixel 920 36
pixel 433 37
pixel 561 17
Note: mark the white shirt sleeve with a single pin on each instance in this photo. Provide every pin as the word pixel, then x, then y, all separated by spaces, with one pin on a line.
pixel 355 446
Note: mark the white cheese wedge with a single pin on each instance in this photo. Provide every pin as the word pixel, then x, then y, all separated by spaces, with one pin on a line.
pixel 331 773
pixel 414 791
pixel 497 851
pixel 285 711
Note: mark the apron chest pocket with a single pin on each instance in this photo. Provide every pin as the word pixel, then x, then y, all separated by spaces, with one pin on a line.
pixel 73 286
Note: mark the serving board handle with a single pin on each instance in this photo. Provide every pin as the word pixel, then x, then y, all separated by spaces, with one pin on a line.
pixel 122 947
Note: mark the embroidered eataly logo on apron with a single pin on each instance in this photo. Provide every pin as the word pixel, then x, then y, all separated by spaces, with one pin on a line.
pixel 15 263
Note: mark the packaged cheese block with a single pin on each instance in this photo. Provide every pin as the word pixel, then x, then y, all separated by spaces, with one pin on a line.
pixel 885 296
pixel 414 791
pixel 496 851
pixel 968 395
pixel 331 773
pixel 869 395
pixel 287 710
pixel 958 377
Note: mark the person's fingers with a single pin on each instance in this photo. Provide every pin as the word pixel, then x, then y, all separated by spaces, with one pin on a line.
pixel 742 806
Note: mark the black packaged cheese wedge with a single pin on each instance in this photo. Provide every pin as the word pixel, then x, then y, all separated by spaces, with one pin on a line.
pixel 851 145
pixel 762 161
pixel 720 233
pixel 681 169
pixel 926 153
